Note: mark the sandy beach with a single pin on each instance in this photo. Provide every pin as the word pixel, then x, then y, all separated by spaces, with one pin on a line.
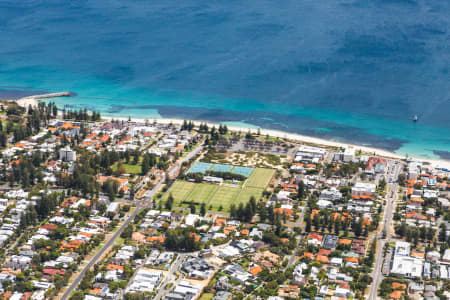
pixel 25 102
pixel 441 163
pixel 33 100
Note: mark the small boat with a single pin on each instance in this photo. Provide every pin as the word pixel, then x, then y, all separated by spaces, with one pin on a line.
pixel 415 118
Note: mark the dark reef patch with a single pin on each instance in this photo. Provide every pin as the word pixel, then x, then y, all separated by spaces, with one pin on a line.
pixel 442 154
pixel 14 94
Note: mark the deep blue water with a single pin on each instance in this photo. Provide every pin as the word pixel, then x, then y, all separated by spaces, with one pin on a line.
pixel 349 70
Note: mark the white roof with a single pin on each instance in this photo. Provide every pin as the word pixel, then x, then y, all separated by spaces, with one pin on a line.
pixel 364 186
pixel 402 248
pixel 407 266
pixel 16 296
pixel 324 203
pixel 90 297
pixel 446 255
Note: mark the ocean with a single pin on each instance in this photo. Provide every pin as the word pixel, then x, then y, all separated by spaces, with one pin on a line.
pixel 346 70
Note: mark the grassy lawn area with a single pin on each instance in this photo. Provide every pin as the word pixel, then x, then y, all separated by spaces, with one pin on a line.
pixel 119 241
pixel 216 196
pixel 206 296
pixel 213 195
pixel 272 139
pixel 180 190
pixel 202 193
pixel 247 192
pixel 129 169
pixel 260 178
pixel 224 196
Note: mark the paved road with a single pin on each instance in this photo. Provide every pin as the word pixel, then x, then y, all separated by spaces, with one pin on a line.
pixel 108 244
pixel 327 159
pixel 392 195
pixel 173 171
pixel 299 223
pixel 141 205
pixel 170 277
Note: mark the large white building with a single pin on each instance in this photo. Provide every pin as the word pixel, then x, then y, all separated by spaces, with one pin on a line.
pixel 364 189
pixel 310 154
pixel 348 155
pixel 402 248
pixel 184 290
pixel 67 154
pixel 414 169
pixel 331 194
pixel 405 265
pixel 144 281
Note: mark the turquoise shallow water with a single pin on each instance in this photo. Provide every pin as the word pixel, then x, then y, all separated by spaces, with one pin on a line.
pixel 348 70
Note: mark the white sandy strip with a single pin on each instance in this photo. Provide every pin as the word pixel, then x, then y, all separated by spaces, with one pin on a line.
pixel 25 102
pixel 298 138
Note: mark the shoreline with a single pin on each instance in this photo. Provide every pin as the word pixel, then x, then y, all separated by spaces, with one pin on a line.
pixel 33 100
pixel 294 137
pixel 25 102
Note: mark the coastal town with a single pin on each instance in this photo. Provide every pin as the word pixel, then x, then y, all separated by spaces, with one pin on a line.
pixel 97 208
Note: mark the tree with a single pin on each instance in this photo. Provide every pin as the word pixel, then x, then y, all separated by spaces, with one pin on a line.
pixel 357 227
pixel 145 165
pixel 203 209
pixel 308 223
pixel 127 232
pixel 262 212
pixel 121 169
pixel 127 271
pixel 316 221
pixel 3 139
pixel 77 295
pixel 369 260
pixel 442 233
pixel 192 207
pixel 169 202
pixel 233 211
pixel 401 179
pixel 301 190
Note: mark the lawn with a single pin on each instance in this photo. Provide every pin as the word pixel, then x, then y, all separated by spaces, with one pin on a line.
pixel 129 168
pixel 217 196
pixel 224 196
pixel 247 192
pixel 260 178
pixel 202 193
pixel 180 190
pixel 206 296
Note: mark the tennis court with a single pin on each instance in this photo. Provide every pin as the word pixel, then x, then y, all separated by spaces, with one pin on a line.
pixel 222 168
pixel 242 171
pixel 200 167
